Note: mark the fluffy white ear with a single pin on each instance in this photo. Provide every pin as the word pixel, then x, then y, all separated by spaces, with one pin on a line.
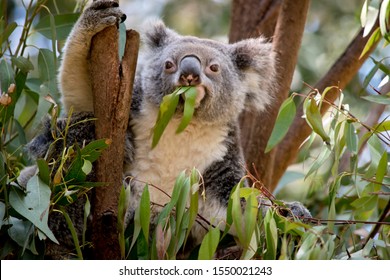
pixel 255 60
pixel 156 34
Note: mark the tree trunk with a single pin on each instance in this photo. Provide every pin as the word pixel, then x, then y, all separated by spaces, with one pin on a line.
pixel 286 43
pixel 112 83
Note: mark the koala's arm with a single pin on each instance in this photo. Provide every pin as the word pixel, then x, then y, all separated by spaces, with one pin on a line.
pixel 73 78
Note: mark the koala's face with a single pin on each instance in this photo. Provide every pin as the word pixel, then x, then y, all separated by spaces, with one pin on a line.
pixel 226 76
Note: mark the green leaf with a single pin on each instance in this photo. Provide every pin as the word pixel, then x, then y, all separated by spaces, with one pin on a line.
pixel 2 213
pixel 371 17
pixel 382 168
pixel 189 108
pixel 181 205
pixel 384 13
pixel 75 173
pixel 376 151
pixel 283 121
pixel 24 64
pixel 4 34
pixel 372 73
pixel 194 200
pixel 145 212
pixel 63 25
pixel 6 75
pixel 383 126
pixel 94 149
pixel 122 40
pixel 87 211
pixel 271 235
pixel 44 171
pixel 22 233
pixel 365 203
pixel 47 70
pixel 34 204
pixel 314 119
pixel 167 110
pixel 380 99
pixel 250 219
pixel 320 160
pixel 73 232
pixel 351 138
pixel 363 13
pixel 87 167
pixel 374 38
pixel 237 214
pixel 8 111
pixel 209 244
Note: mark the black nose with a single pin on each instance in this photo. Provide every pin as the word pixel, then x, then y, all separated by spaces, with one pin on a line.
pixel 190 69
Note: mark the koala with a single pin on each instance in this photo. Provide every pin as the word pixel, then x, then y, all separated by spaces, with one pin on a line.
pixel 228 78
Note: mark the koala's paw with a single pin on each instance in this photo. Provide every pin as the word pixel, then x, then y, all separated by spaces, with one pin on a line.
pixel 297 210
pixel 101 14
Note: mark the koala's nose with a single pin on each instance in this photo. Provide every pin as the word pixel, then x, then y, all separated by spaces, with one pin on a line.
pixel 190 69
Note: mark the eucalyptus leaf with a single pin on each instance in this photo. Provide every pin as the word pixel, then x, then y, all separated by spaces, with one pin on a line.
pixel 271 235
pixel 371 17
pixel 384 13
pixel 209 244
pixel 44 171
pixel 145 212
pixel 283 121
pixel 189 108
pixel 2 213
pixel 380 99
pixel 4 34
pixel 374 38
pixel 6 75
pixel 94 149
pixel 47 70
pixel 87 167
pixel 351 138
pixel 168 108
pixel 24 64
pixel 34 204
pixel 63 25
pixel 314 119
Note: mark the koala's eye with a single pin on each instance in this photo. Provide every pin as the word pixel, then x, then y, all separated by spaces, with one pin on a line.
pixel 169 66
pixel 214 68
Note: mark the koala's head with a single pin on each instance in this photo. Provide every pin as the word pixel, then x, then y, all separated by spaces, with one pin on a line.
pixel 229 77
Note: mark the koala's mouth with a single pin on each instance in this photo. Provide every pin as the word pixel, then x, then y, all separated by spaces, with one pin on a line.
pixel 201 92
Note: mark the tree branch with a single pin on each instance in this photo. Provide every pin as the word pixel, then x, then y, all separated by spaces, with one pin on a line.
pixel 253 18
pixel 340 74
pixel 254 137
pixel 112 83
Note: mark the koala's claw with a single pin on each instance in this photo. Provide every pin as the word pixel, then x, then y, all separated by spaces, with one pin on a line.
pixel 101 14
pixel 296 209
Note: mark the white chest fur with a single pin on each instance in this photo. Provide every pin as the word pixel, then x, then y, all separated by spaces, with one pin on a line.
pixel 198 146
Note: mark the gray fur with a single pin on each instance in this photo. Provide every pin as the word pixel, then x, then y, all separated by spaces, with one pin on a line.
pixel 229 78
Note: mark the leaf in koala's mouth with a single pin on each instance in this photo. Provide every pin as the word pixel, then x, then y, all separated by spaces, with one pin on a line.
pixel 168 109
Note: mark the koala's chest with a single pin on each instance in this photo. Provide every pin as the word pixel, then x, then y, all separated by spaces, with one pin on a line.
pixel 198 146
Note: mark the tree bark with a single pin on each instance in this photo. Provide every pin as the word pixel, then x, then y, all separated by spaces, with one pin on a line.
pixel 112 83
pixel 253 18
pixel 286 43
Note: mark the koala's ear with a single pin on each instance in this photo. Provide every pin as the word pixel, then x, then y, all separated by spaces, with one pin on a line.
pixel 157 35
pixel 255 61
